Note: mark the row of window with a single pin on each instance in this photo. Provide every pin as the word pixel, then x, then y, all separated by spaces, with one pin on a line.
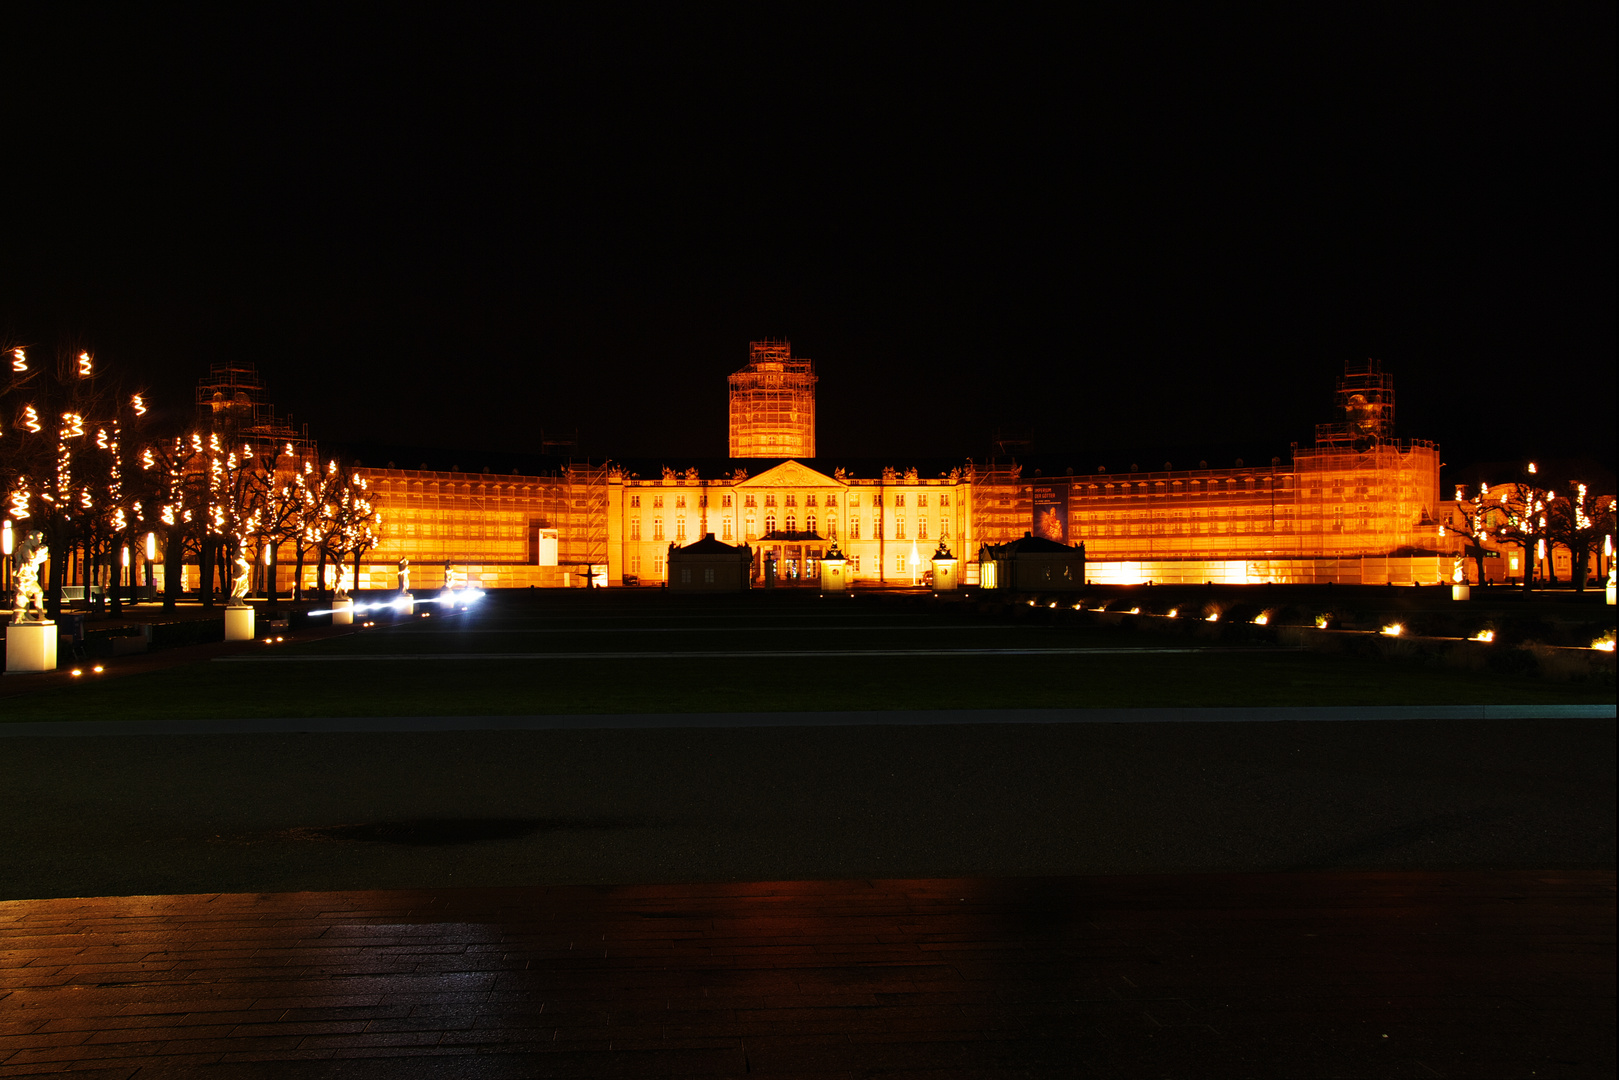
pixel 788 499
pixel 789 523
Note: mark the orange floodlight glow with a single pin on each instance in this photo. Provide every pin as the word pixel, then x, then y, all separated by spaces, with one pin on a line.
pixel 1261 619
pixel 1213 616
pixel 1484 635
pixel 1172 613
pixel 1604 643
pixel 1393 629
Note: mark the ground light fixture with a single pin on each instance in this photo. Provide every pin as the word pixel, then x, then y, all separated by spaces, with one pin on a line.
pixel 1393 629
pixel 1261 619
pixel 1604 643
pixel 1484 635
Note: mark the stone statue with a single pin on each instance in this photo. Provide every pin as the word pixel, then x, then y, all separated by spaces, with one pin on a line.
pixel 1458 569
pixel 404 575
pixel 238 585
pixel 29 604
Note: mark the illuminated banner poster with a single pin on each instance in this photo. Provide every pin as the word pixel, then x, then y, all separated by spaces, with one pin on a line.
pixel 1051 512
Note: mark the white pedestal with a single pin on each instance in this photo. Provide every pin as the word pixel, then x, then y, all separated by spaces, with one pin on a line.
pixel 1461 592
pixel 238 624
pixel 1610 594
pixel 343 612
pixel 30 647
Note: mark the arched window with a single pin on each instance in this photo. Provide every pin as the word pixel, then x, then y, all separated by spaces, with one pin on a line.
pixel 809 522
pixel 792 522
pixel 770 523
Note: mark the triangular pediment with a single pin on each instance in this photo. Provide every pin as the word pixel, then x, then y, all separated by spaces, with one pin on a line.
pixel 791 474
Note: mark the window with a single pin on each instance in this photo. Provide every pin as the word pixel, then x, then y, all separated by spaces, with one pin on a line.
pixel 792 523
pixel 680 531
pixel 753 529
pixel 944 527
pixel 809 500
pixel 921 527
pixel 770 500
pixel 727 529
pixel 944 498
pixel 657 502
pixel 680 502
pixel 832 526
pixel 809 522
pixel 922 498
pixel 708 575
pixel 685 575
pixel 657 566
pixel 854 500
pixel 635 564
pixel 770 522
pixel 635 529
pixel 899 564
pixel 748 501
pixel 792 500
pixel 635 502
pixel 899 498
pixel 899 526
pixel 657 528
pixel 727 502
pixel 854 528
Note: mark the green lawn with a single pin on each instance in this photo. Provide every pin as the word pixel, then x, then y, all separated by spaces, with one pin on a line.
pixel 700 684
pixel 352 684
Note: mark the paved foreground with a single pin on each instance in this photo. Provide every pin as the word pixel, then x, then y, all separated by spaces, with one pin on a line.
pixel 1410 974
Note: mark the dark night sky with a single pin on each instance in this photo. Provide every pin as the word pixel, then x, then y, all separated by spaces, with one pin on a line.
pixel 1158 236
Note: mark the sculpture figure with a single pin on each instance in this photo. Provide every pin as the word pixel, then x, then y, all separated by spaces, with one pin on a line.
pixel 239 584
pixel 1458 569
pixel 29 604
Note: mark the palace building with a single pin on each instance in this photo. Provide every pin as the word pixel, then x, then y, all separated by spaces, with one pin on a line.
pixel 1358 506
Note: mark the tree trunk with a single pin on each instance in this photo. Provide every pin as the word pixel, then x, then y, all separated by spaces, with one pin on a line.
pixel 205 570
pixel 174 566
pixel 115 583
pixel 320 573
pixel 298 573
pixel 356 571
pixel 272 573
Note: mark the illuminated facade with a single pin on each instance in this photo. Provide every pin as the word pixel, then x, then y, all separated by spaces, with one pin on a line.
pixel 1358 506
pixel 773 404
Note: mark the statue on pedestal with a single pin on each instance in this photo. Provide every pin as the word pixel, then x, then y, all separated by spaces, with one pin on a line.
pixel 28 606
pixel 404 576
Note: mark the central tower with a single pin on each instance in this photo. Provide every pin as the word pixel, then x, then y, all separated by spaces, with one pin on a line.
pixel 773 404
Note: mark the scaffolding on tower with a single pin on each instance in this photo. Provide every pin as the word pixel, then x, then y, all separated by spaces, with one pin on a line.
pixel 773 404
